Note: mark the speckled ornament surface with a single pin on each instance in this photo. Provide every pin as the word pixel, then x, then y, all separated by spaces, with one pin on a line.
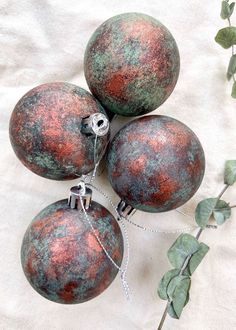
pixel 155 163
pixel 131 64
pixel 61 257
pixel 45 131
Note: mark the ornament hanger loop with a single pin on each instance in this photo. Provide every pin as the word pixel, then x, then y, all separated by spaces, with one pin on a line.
pixel 80 191
pixel 95 124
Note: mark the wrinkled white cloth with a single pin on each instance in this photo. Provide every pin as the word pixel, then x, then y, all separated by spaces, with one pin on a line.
pixel 44 40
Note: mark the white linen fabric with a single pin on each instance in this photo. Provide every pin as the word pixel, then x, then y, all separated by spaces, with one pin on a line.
pixel 43 41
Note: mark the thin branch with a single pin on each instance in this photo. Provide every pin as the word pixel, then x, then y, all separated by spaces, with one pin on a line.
pixel 187 260
pixel 163 316
pixel 222 192
pixel 199 233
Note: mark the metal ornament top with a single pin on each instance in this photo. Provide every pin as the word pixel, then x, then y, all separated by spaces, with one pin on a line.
pixel 95 124
pixel 80 192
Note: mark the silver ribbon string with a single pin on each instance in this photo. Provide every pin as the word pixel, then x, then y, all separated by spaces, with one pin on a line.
pixel 122 271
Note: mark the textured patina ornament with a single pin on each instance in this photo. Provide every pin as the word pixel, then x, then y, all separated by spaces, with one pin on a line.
pixel 155 163
pixel 61 256
pixel 45 131
pixel 131 64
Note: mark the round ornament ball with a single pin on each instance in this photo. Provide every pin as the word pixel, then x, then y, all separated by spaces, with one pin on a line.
pixel 155 163
pixel 45 131
pixel 62 258
pixel 131 64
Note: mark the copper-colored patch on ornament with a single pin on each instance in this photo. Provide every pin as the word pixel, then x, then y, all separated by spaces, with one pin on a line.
pixel 67 294
pixel 63 250
pixel 93 243
pixel 140 29
pixel 119 81
pixel 138 165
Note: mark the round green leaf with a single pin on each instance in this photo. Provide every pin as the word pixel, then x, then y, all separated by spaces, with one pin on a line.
pixel 187 299
pixel 162 289
pixel 230 168
pixel 233 92
pixel 184 246
pixel 180 297
pixel 204 211
pixel 226 37
pixel 231 6
pixel 197 257
pixel 232 67
pixel 225 10
pixel 222 212
pixel 173 284
pixel 171 312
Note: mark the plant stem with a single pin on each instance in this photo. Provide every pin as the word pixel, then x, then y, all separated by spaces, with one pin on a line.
pixel 222 192
pixel 199 233
pixel 187 260
pixel 163 316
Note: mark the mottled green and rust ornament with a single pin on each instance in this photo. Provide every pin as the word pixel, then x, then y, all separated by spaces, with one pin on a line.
pixel 46 135
pixel 62 258
pixel 155 163
pixel 131 64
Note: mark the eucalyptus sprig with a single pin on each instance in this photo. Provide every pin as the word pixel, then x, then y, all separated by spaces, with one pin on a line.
pixel 186 253
pixel 226 37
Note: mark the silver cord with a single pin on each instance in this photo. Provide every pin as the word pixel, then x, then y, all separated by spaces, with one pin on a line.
pixel 127 251
pixel 159 231
pixel 122 272
pixel 96 163
pixel 181 212
pixel 168 232
pixel 92 177
pixel 106 196
pixel 126 236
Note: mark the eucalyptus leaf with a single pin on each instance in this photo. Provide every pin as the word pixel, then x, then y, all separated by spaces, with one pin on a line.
pixel 171 311
pixel 162 289
pixel 184 246
pixel 226 37
pixel 221 212
pixel 231 6
pixel 204 211
pixel 181 296
pixel 233 92
pixel 173 284
pixel 186 271
pixel 187 299
pixel 230 171
pixel 197 257
pixel 225 10
pixel 232 67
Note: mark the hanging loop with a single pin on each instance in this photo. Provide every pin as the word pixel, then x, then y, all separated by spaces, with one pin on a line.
pixel 95 124
pixel 77 192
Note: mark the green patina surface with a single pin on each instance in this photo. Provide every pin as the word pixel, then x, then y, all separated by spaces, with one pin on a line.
pixel 45 131
pixel 61 257
pixel 131 64
pixel 155 163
